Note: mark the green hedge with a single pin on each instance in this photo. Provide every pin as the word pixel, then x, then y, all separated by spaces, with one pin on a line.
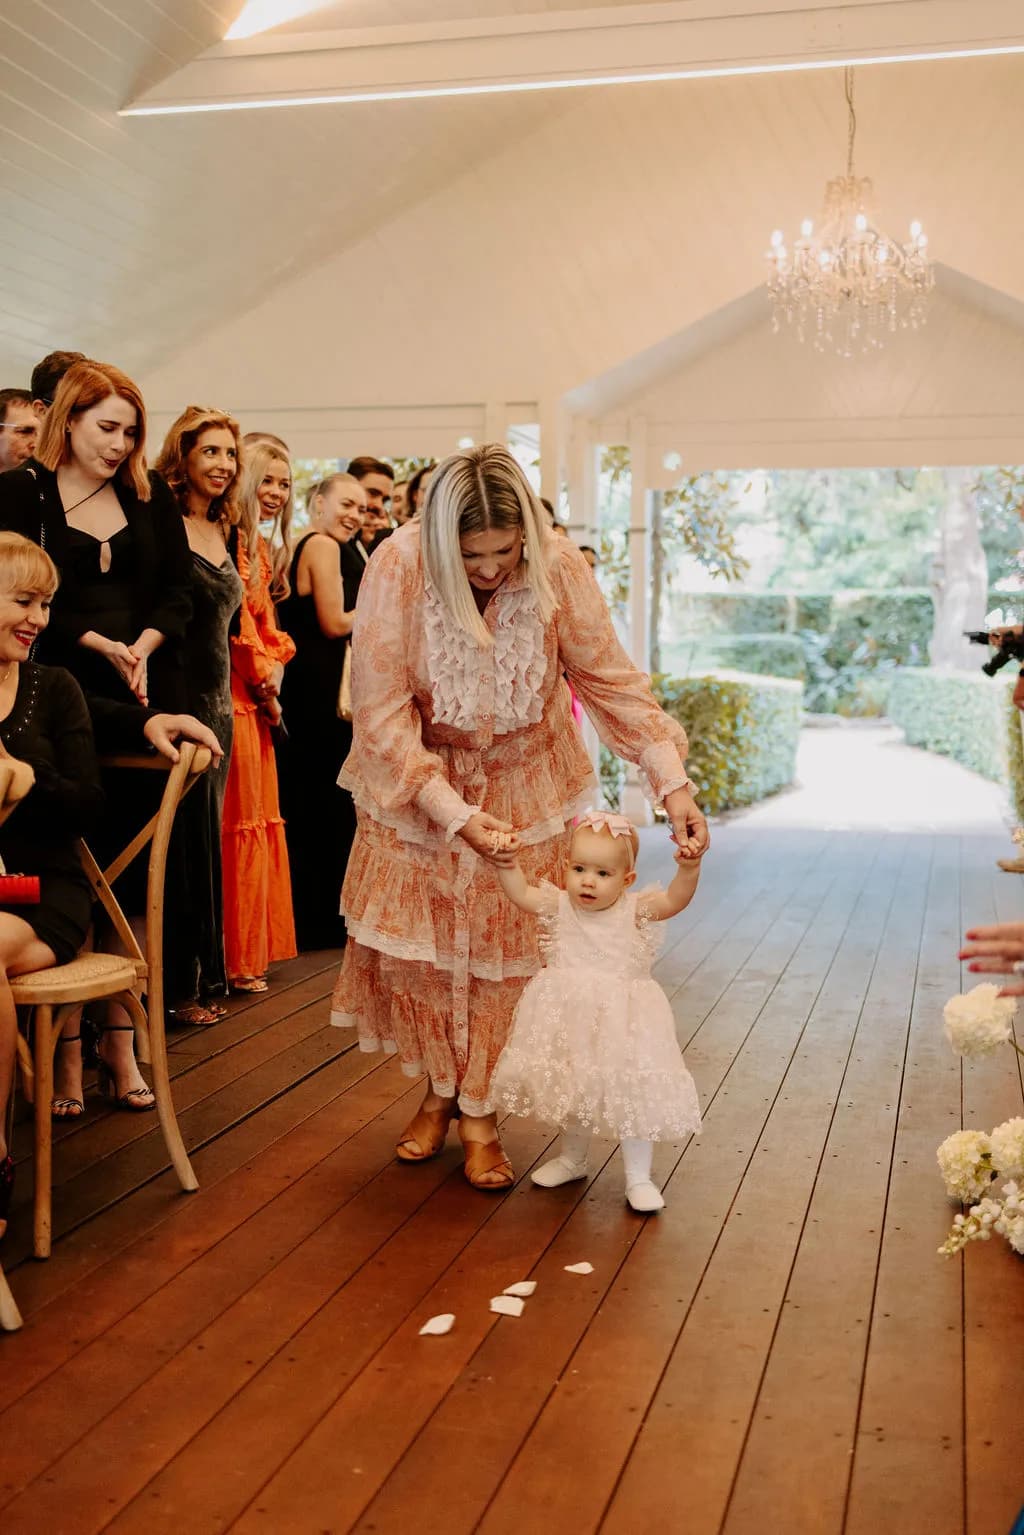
pixel 964 715
pixel 743 732
pixel 896 625
pixel 765 655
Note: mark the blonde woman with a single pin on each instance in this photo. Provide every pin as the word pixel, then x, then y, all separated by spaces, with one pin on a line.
pixel 44 726
pixel 464 760
pixel 200 462
pixel 320 819
pixel 258 924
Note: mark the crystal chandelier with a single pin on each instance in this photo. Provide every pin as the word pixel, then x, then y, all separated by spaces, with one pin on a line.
pixel 847 285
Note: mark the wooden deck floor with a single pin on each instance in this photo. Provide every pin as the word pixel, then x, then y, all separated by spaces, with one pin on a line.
pixel 782 1351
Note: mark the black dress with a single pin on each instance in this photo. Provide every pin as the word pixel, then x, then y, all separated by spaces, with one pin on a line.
pixel 320 818
pixel 49 728
pixel 147 585
pixel 194 907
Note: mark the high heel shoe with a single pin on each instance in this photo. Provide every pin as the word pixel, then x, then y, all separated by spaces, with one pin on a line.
pixel 137 1100
pixel 424 1136
pixel 71 1108
pixel 484 1160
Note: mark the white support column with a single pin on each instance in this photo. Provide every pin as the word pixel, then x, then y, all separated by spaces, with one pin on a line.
pixel 552 447
pixel 582 474
pixel 634 802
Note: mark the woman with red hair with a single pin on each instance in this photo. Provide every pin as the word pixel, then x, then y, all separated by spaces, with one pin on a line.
pixel 118 619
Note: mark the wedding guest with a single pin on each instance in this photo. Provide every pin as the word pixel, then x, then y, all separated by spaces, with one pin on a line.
pixel 46 376
pixel 591 555
pixel 44 723
pixel 19 426
pixel 199 462
pixel 464 759
pixel 377 479
pixel 275 507
pixel 258 925
pixel 400 503
pixel 418 485
pixel 319 816
pixel 252 439
pixel 124 601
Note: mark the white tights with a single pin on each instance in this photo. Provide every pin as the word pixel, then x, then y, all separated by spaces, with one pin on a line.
pixel 570 1163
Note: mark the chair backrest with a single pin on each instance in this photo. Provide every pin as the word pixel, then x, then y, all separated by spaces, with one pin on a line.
pixel 182 775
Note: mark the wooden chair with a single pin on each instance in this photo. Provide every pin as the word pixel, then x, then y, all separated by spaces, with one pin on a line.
pixel 92 977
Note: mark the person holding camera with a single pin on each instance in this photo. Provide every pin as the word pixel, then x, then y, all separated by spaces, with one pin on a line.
pixel 1008 642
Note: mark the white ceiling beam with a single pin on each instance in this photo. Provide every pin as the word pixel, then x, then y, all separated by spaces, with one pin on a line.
pixel 561 49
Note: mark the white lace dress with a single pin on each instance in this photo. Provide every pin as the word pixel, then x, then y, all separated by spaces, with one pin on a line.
pixel 593 1043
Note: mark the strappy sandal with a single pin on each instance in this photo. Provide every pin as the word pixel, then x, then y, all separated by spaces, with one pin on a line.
pixel 424 1136
pixel 70 1108
pixel 137 1100
pixel 252 983
pixel 483 1160
pixel 190 1014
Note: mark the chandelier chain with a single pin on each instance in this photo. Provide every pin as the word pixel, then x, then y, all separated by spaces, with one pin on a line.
pixel 851 132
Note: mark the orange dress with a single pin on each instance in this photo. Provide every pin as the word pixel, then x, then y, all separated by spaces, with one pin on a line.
pixel 258 924
pixel 437 957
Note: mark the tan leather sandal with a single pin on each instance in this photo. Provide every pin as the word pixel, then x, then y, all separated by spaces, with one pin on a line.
pixel 486 1166
pixel 424 1136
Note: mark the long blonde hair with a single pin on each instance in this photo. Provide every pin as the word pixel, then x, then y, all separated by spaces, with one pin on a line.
pixel 471 492
pixel 178 444
pixel 258 459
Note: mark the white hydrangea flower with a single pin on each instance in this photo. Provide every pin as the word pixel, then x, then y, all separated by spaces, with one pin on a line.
pixel 1010 1221
pixel 1018 836
pixel 965 1162
pixel 979 1021
pixel 1008 1148
pixel 976 1226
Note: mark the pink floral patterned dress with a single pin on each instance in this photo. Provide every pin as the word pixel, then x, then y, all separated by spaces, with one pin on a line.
pixel 437 957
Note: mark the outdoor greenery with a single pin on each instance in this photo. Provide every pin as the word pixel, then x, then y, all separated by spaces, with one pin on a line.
pixel 743 730
pixel 963 715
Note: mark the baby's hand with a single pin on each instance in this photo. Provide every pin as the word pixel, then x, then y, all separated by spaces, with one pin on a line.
pixel 684 856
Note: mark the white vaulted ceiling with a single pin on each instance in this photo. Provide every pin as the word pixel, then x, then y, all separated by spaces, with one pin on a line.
pixel 458 254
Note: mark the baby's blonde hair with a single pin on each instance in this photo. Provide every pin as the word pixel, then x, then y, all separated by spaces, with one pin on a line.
pixel 629 840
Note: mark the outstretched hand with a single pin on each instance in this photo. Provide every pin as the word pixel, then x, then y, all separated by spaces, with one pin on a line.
pixel 997 950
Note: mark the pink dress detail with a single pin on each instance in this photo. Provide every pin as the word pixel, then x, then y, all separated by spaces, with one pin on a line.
pixel 437 958
pixel 593 1044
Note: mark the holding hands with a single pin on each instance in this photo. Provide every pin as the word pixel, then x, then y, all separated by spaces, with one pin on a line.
pixel 689 824
pixel 495 841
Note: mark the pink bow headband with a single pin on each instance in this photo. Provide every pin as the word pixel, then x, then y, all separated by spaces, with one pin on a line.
pixel 615 825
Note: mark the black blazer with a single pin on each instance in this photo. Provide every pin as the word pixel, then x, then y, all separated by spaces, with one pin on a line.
pixel 30 504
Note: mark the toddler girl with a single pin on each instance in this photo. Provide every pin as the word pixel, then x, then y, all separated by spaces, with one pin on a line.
pixel 593 1045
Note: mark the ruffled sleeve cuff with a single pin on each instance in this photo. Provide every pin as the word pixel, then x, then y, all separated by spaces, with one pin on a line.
pixel 438 800
pixel 662 771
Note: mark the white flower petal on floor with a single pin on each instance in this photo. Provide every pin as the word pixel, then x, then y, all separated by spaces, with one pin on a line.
pixel 979 1021
pixel 526 1287
pixel 579 1268
pixel 508 1305
pixel 438 1325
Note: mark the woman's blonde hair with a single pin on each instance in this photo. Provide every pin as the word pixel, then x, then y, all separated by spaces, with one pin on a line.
pixel 178 444
pixel 279 545
pixel 471 492
pixel 341 476
pixel 85 385
pixel 24 567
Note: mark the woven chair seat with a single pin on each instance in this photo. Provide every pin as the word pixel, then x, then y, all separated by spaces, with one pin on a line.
pixel 77 981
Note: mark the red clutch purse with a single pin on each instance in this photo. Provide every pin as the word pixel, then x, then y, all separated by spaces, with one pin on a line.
pixel 19 889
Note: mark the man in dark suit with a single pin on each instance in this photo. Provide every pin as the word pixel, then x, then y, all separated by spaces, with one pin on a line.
pixel 377 479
